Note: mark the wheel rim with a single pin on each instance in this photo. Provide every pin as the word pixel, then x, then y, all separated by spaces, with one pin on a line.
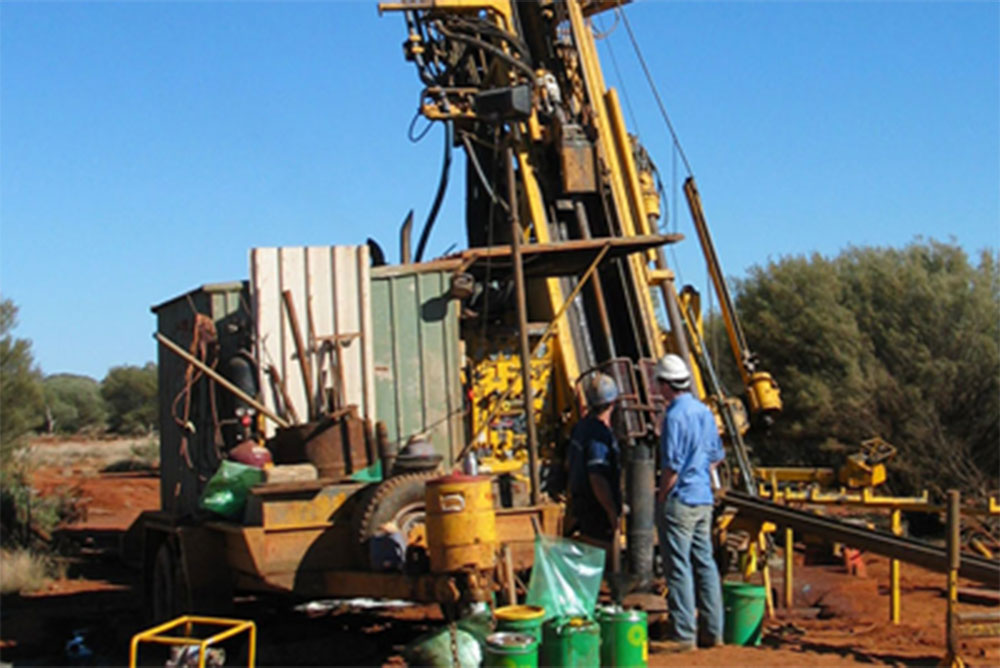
pixel 410 520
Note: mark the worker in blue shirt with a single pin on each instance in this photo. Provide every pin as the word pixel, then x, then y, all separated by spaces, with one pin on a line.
pixel 690 448
pixel 595 464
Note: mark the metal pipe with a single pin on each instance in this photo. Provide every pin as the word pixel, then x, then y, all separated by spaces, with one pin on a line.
pixel 789 563
pixel 217 377
pixel 641 489
pixel 300 349
pixel 954 563
pixel 878 542
pixel 599 302
pixel 894 600
pixel 522 322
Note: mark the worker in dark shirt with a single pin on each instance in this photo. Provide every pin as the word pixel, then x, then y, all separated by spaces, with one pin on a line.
pixel 595 464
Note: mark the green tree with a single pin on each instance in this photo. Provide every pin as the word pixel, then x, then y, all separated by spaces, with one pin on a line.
pixel 902 343
pixel 20 384
pixel 130 393
pixel 73 403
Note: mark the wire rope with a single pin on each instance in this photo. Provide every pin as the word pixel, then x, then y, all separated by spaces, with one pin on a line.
pixel 652 86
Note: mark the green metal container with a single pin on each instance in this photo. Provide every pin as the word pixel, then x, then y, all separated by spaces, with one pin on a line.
pixel 744 605
pixel 511 650
pixel 573 642
pixel 624 639
pixel 415 339
pixel 521 619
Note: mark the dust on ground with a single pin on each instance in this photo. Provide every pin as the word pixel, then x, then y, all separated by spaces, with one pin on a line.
pixel 100 599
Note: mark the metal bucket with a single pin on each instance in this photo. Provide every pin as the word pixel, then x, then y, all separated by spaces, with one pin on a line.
pixel 511 650
pixel 461 523
pixel 572 642
pixel 521 619
pixel 624 639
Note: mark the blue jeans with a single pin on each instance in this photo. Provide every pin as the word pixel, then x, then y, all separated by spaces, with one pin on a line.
pixel 686 541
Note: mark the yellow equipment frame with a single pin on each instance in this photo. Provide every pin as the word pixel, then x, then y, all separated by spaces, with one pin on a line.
pixel 235 627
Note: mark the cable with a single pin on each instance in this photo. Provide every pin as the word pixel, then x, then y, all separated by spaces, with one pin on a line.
pixel 470 152
pixel 413 123
pixel 652 86
pixel 621 79
pixel 442 187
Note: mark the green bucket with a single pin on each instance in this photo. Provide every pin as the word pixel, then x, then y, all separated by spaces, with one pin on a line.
pixel 521 619
pixel 511 650
pixel 572 642
pixel 624 641
pixel 744 604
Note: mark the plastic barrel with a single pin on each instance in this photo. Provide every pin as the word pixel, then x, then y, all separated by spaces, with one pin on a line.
pixel 521 619
pixel 573 642
pixel 511 650
pixel 624 640
pixel 744 604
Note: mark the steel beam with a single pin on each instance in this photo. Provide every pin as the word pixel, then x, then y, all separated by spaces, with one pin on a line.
pixel 894 547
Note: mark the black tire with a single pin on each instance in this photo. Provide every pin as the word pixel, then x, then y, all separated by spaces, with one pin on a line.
pixel 165 589
pixel 399 499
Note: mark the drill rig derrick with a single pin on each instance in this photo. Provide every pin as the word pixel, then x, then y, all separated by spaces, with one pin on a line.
pixel 523 80
pixel 546 147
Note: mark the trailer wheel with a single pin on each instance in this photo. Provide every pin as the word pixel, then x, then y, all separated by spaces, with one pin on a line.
pixel 166 603
pixel 400 500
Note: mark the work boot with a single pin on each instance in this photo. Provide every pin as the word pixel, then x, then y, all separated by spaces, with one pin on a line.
pixel 672 646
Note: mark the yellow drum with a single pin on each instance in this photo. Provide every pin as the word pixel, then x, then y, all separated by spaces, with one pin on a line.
pixel 461 524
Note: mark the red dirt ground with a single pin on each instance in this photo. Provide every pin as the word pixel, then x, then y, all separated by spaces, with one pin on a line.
pixel 101 597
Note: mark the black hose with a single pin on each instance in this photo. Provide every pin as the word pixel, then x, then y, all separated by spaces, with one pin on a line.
pixel 439 197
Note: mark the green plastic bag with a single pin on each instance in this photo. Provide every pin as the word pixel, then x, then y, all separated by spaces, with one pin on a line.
pixel 226 491
pixel 566 577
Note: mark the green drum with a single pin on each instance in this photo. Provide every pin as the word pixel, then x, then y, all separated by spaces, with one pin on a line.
pixel 744 605
pixel 521 619
pixel 511 650
pixel 624 641
pixel 572 642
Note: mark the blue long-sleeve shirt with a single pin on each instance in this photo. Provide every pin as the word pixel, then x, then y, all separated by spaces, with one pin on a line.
pixel 689 445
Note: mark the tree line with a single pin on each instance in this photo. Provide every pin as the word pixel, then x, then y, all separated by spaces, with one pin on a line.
pixel 899 343
pixel 123 402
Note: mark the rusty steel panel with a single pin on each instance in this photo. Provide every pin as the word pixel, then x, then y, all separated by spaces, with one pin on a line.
pixel 304 505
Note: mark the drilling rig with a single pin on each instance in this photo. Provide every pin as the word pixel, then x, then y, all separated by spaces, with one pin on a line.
pixel 399 372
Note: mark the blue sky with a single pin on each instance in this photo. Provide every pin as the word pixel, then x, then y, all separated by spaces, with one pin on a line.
pixel 145 147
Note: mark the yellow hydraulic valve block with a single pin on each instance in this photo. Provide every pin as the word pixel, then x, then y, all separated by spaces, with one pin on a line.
pixel 461 523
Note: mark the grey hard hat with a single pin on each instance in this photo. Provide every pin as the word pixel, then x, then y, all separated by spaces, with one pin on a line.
pixel 600 389
pixel 672 370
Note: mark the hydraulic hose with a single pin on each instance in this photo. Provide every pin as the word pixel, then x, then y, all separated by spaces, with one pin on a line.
pixel 439 197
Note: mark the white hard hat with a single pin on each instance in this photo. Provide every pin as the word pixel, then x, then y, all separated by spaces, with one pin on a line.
pixel 672 370
pixel 600 389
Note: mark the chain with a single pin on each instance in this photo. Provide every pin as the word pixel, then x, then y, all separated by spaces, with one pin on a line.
pixel 453 632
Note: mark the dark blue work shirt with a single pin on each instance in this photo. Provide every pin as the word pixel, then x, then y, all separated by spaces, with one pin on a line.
pixel 689 445
pixel 593 449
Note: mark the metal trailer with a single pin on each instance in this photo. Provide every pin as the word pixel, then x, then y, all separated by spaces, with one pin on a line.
pixel 306 538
